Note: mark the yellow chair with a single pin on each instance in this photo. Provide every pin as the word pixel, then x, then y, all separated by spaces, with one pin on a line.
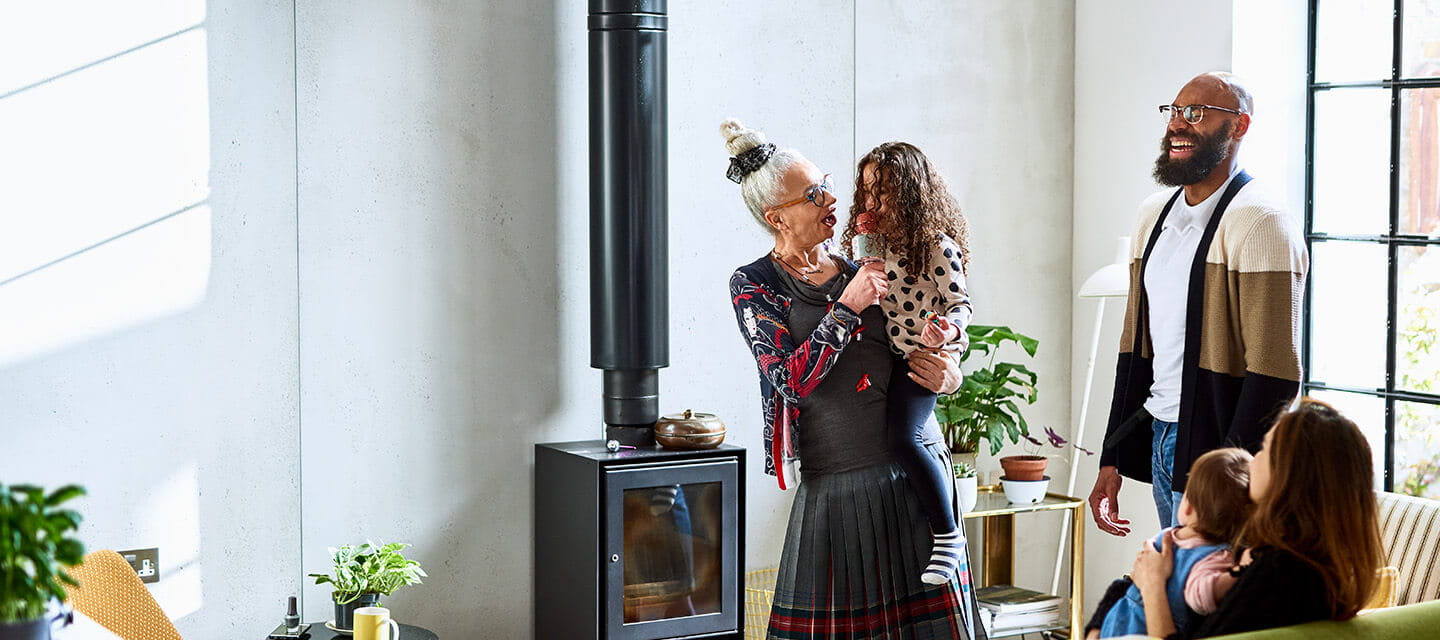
pixel 112 595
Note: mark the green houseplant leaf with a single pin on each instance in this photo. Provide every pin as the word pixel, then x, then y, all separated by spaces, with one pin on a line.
pixel 985 406
pixel 369 568
pixel 35 549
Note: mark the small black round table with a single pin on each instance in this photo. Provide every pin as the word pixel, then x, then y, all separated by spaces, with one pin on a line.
pixel 318 631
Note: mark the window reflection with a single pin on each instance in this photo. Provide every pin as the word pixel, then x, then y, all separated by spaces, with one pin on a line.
pixel 672 551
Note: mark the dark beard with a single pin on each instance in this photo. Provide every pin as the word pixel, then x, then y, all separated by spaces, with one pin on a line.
pixel 1210 151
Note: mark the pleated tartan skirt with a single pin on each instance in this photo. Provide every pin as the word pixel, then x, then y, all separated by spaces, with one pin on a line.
pixel 855 547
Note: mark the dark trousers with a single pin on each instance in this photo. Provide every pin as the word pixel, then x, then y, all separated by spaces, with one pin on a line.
pixel 908 407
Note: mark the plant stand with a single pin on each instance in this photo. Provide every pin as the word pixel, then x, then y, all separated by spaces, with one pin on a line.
pixel 997 517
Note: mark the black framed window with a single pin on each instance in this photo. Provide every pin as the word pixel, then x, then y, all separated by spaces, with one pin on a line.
pixel 1372 224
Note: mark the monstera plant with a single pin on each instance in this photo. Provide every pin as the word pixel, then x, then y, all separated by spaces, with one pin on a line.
pixel 987 404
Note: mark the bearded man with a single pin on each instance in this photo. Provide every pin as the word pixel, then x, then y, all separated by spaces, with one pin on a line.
pixel 1210 350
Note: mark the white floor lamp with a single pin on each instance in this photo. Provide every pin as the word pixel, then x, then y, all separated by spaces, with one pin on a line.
pixel 1111 281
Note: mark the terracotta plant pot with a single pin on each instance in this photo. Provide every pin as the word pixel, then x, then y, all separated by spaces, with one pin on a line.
pixel 1024 468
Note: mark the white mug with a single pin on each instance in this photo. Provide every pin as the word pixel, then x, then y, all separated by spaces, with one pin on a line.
pixel 374 623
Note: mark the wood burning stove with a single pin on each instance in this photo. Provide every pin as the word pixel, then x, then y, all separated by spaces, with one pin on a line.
pixel 640 544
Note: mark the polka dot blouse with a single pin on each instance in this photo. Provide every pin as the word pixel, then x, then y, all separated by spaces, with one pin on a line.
pixel 938 288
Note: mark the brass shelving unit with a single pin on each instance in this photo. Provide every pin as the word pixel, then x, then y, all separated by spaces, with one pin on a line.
pixel 997 515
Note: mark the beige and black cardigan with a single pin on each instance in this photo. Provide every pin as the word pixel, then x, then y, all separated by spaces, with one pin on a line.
pixel 1242 333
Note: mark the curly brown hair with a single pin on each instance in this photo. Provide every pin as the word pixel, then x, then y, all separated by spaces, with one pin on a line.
pixel 919 200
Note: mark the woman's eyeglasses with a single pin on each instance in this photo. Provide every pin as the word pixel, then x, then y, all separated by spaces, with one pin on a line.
pixel 1192 113
pixel 812 194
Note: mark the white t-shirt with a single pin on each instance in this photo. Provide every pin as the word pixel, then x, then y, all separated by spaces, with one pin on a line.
pixel 1167 290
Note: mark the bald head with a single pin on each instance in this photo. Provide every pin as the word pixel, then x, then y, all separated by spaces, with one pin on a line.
pixel 1199 153
pixel 1223 89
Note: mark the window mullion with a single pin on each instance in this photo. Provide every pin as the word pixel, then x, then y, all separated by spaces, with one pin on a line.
pixel 1309 217
pixel 1392 250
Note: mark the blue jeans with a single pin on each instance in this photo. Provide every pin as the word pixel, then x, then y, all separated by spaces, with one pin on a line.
pixel 1162 461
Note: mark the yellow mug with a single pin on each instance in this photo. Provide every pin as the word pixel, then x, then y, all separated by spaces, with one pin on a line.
pixel 374 623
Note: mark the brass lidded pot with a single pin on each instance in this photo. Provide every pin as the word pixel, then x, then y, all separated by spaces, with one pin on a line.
pixel 690 430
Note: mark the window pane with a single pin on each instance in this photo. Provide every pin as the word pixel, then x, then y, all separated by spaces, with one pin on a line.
pixel 1417 346
pixel 1368 412
pixel 1417 449
pixel 1420 162
pixel 1420 48
pixel 1354 40
pixel 1352 162
pixel 1347 314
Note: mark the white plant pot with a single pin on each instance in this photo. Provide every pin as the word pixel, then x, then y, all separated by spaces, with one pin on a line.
pixel 968 490
pixel 1026 491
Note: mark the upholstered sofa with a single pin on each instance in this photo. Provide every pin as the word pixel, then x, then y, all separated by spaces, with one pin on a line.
pixel 1409 622
pixel 1410 531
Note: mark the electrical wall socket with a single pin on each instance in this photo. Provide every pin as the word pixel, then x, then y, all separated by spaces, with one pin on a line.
pixel 145 562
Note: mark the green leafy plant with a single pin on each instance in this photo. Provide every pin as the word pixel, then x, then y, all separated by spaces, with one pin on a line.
pixel 1416 440
pixel 35 549
pixel 984 407
pixel 369 568
pixel 964 470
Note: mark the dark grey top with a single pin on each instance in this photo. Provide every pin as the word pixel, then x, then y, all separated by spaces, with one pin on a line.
pixel 842 422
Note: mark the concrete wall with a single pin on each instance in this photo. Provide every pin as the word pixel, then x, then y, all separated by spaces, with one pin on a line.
pixel 996 127
pixel 148 291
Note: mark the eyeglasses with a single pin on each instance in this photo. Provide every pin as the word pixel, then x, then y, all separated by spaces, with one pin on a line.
pixel 812 194
pixel 1192 113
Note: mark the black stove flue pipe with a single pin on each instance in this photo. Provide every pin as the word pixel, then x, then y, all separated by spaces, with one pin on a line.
pixel 629 304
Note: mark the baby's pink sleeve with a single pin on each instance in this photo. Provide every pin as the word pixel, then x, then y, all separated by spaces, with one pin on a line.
pixel 1200 586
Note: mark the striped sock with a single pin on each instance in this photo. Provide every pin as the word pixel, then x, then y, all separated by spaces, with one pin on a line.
pixel 944 558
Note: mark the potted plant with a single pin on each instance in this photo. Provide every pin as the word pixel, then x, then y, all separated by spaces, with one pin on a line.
pixel 361 574
pixel 985 406
pixel 966 486
pixel 34 551
pixel 1025 480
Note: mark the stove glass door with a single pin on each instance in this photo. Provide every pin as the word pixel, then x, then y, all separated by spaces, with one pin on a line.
pixel 672 552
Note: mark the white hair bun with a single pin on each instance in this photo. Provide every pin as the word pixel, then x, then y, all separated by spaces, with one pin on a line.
pixel 739 138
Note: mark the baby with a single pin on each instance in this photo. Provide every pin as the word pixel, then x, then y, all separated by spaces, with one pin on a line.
pixel 1215 506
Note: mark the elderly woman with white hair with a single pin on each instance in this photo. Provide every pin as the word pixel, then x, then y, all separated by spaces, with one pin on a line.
pixel 857 539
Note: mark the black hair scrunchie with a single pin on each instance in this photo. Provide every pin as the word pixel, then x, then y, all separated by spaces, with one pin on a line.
pixel 746 163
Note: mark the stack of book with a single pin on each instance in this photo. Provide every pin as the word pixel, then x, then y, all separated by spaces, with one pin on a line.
pixel 1005 609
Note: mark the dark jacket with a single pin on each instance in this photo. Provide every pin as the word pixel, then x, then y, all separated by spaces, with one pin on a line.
pixel 790 366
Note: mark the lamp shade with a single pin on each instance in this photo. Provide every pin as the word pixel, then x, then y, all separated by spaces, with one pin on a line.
pixel 1112 280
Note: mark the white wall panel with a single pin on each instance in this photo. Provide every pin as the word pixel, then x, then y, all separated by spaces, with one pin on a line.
pixel 148 356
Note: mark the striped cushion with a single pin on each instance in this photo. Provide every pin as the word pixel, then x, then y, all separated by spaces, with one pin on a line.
pixel 1410 531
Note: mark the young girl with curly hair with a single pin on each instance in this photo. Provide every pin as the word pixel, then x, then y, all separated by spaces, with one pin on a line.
pixel 904 208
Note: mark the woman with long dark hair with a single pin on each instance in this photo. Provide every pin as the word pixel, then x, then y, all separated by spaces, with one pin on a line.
pixel 1312 545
